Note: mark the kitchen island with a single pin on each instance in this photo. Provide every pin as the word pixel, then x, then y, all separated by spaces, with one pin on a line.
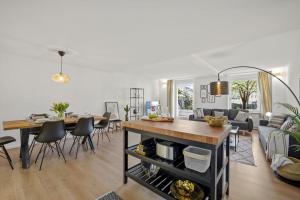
pixel 215 181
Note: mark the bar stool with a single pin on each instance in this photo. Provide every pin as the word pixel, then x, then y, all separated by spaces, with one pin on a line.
pixel 3 141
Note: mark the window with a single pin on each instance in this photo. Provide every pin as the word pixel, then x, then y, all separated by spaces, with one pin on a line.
pixel 185 95
pixel 244 95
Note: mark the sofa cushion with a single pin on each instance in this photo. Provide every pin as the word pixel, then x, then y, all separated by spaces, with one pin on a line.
pixel 198 113
pixel 241 116
pixel 287 124
pixel 219 110
pixel 233 112
pixel 276 121
pixel 218 114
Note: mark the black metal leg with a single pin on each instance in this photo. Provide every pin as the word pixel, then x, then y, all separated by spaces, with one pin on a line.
pixel 98 136
pixel 43 157
pixel 227 167
pixel 125 156
pixel 107 136
pixel 59 149
pixel 74 141
pixel 91 143
pixel 78 144
pixel 24 151
pixel 8 157
pixel 64 143
pixel 31 148
pixel 235 142
pixel 213 174
pixel 39 153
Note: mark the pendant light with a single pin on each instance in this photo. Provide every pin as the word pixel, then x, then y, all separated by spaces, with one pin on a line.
pixel 61 77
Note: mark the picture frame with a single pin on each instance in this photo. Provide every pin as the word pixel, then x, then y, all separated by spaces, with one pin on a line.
pixel 203 91
pixel 211 98
pixel 113 108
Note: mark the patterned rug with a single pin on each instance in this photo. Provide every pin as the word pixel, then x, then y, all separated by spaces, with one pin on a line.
pixel 244 153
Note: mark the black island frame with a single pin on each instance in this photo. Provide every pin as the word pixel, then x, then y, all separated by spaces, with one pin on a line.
pixel 212 180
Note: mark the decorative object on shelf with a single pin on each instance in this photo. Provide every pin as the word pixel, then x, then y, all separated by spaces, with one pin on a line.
pixel 216 121
pixel 203 91
pixel 150 169
pixel 186 190
pixel 157 119
pixel 61 77
pixel 210 98
pixel 60 109
pixel 146 147
pixel 219 88
pixel 136 103
pixel 126 109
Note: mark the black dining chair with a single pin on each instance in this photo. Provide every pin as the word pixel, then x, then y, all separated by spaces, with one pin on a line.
pixel 82 133
pixel 3 141
pixel 101 127
pixel 51 132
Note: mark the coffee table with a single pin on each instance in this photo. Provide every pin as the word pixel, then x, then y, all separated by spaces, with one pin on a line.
pixel 235 131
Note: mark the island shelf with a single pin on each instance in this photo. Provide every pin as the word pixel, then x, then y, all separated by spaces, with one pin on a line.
pixel 215 181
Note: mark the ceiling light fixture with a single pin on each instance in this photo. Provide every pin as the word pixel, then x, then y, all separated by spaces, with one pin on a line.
pixel 61 77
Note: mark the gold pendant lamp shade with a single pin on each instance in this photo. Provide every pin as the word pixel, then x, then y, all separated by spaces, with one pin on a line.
pixel 61 77
pixel 219 88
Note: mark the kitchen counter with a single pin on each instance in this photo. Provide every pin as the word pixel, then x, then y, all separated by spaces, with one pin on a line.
pixel 215 180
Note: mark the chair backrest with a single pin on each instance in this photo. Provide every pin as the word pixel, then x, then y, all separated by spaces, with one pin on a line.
pixel 105 121
pixel 51 131
pixel 84 126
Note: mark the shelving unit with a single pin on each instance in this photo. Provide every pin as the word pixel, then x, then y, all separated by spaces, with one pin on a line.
pixel 211 181
pixel 136 103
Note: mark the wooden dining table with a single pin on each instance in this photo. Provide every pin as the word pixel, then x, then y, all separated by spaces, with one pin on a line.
pixel 28 127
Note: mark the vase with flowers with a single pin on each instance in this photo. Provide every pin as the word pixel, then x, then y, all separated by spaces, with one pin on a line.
pixel 60 109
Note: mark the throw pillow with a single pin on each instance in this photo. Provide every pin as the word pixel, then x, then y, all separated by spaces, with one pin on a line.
pixel 242 116
pixel 198 113
pixel 276 121
pixel 218 114
pixel 287 124
pixel 293 129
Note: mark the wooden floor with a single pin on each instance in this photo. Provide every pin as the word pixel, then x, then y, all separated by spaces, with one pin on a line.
pixel 92 175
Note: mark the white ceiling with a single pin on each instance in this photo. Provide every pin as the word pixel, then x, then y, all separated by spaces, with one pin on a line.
pixel 162 39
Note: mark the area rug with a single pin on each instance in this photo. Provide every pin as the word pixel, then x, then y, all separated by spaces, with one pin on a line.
pixel 110 196
pixel 244 153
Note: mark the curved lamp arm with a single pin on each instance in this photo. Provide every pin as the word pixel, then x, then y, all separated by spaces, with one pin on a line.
pixel 267 73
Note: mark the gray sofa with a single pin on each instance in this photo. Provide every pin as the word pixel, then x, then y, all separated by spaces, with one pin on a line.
pixel 264 131
pixel 231 114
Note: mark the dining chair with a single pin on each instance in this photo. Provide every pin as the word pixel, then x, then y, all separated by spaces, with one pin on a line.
pixel 50 132
pixel 101 127
pixel 3 141
pixel 82 132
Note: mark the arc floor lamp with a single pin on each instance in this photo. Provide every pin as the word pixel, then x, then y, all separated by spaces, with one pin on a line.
pixel 219 87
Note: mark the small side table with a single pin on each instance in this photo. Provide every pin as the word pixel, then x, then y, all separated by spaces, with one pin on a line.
pixel 235 131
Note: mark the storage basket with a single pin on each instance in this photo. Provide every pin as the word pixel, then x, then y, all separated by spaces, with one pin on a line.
pixel 196 158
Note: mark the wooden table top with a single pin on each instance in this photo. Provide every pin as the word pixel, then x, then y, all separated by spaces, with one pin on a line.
pixel 21 124
pixel 185 129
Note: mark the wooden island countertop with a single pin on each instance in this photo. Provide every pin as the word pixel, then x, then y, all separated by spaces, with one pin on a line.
pixel 184 129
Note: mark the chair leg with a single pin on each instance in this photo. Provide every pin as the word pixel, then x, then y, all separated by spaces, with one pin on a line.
pixel 78 144
pixel 8 157
pixel 56 145
pixel 31 148
pixel 107 136
pixel 64 142
pixel 98 137
pixel 73 144
pixel 59 149
pixel 43 157
pixel 39 153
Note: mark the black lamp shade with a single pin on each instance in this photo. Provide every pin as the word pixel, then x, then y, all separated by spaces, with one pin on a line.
pixel 219 88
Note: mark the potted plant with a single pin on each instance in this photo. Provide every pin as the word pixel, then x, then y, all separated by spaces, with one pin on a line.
pixel 126 109
pixel 296 119
pixel 60 109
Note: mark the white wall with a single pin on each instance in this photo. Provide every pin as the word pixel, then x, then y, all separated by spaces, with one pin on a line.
pixel 26 87
pixel 294 81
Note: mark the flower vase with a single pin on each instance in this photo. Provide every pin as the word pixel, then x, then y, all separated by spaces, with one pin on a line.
pixel 61 115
